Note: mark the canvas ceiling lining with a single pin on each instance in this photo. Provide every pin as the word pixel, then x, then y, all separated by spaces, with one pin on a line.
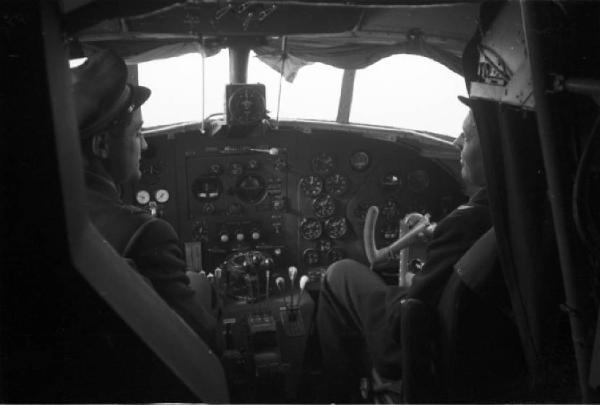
pixel 379 34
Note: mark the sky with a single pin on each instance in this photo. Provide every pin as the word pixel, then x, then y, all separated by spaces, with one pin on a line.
pixel 404 91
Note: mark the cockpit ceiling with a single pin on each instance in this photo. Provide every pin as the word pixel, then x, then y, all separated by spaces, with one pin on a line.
pixel 350 36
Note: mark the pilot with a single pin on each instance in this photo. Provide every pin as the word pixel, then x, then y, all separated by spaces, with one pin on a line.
pixel 109 121
pixel 358 311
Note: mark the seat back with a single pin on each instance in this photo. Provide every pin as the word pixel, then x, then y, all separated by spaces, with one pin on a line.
pixel 468 348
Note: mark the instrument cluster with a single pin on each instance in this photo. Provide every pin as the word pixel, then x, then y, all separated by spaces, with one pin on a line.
pixel 298 196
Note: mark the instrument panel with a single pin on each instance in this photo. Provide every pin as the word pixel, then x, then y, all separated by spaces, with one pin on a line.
pixel 299 196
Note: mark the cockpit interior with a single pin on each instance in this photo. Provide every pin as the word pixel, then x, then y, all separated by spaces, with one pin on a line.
pixel 264 204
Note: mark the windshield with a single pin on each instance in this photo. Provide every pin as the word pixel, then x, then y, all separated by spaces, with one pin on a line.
pixel 404 91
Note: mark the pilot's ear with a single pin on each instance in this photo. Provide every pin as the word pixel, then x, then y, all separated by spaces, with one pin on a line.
pixel 100 145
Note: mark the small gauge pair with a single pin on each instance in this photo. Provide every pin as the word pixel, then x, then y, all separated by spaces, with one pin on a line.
pixel 143 197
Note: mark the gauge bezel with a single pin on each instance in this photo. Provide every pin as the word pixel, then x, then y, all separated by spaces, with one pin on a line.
pixel 315 191
pixel 334 190
pixel 330 203
pixel 251 199
pixel 303 224
pixel 146 195
pixel 162 200
pixel 328 227
pixel 360 167
pixel 321 158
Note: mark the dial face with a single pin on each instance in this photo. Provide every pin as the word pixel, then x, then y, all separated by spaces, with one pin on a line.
pixel 142 197
pixel 208 209
pixel 360 161
pixel 246 105
pixel 310 257
pixel 323 163
pixel 311 228
pixel 207 188
pixel 251 188
pixel 236 168
pixel 336 184
pixel 335 255
pixel 162 196
pixel 418 181
pixel 390 210
pixel 215 168
pixel 323 206
pixel 311 185
pixel 336 227
pixel 391 181
pixel 324 244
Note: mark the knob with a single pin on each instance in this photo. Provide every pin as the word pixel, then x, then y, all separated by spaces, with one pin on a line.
pixel 255 234
pixel 277 251
pixel 224 237
pixel 239 236
pixel 267 263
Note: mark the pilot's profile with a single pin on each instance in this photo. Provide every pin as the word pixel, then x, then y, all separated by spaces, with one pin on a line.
pixel 358 311
pixel 109 121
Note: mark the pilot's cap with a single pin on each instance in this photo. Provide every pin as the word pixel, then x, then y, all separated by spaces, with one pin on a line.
pixel 101 93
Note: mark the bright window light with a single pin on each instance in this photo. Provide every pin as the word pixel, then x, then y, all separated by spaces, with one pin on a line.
pixel 176 85
pixel 412 92
pixel 314 94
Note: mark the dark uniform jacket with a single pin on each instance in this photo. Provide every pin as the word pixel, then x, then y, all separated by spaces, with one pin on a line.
pixel 452 237
pixel 153 246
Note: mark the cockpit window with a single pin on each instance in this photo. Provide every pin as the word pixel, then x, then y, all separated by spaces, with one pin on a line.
pixel 403 91
pixel 409 91
pixel 314 93
pixel 176 85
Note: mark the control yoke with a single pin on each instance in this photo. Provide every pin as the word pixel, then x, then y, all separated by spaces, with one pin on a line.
pixel 419 227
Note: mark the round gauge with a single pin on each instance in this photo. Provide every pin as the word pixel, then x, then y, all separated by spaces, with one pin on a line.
pixel 215 168
pixel 418 181
pixel 323 206
pixel 311 185
pixel 390 210
pixel 246 105
pixel 162 196
pixel 324 244
pixel 207 188
pixel 208 209
pixel 310 257
pixel 253 164
pixel 335 255
pixel 360 161
pixel 311 228
pixel 142 197
pixel 336 184
pixel 251 188
pixel 336 227
pixel 236 168
pixel 391 181
pixel 323 163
